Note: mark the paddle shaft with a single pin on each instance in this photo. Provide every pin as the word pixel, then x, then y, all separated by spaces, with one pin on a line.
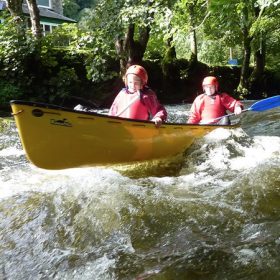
pixel 229 115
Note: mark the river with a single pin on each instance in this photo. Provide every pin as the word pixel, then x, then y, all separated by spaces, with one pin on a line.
pixel 215 214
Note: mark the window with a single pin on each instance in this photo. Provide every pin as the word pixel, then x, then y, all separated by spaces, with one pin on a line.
pixel 47 28
pixel 44 3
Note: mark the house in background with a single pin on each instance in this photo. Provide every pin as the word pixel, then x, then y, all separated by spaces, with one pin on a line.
pixel 2 7
pixel 51 14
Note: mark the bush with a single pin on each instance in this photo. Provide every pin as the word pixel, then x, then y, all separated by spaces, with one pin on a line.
pixel 8 92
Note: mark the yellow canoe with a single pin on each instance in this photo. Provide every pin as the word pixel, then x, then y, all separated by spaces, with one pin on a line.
pixel 54 137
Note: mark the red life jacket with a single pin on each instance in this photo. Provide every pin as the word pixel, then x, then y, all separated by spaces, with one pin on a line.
pixel 212 107
pixel 206 108
pixel 143 108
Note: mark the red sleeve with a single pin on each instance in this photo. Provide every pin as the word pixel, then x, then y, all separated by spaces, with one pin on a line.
pixel 229 102
pixel 153 105
pixel 195 112
pixel 114 107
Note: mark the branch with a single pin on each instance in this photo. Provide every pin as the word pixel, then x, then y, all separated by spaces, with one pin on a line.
pixel 198 26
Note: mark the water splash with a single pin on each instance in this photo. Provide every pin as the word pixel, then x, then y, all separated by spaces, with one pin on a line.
pixel 215 215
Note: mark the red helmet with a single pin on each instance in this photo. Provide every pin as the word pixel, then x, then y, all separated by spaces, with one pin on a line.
pixel 210 80
pixel 138 71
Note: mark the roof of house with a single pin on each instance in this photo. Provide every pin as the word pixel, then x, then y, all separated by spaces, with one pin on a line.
pixel 47 13
pixel 44 12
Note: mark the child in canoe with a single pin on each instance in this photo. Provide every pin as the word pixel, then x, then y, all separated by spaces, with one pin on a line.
pixel 137 100
pixel 209 107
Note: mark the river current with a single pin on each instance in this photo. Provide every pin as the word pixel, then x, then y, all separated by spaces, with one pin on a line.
pixel 213 214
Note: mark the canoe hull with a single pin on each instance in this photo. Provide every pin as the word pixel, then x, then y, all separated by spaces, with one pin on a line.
pixel 56 138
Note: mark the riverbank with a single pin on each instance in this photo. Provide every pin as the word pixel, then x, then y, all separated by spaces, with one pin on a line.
pixel 179 83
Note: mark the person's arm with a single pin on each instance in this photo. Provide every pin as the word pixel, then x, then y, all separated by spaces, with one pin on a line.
pixel 195 115
pixel 231 104
pixel 113 111
pixel 158 111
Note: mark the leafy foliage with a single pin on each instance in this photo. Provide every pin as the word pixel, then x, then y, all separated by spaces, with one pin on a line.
pixel 71 8
pixel 15 48
pixel 36 68
pixel 50 68
pixel 8 92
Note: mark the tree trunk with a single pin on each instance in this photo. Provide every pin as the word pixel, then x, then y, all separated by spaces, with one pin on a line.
pixel 136 49
pixel 15 8
pixel 193 42
pixel 193 58
pixel 167 64
pixel 243 86
pixel 143 41
pixel 122 47
pixel 260 59
pixel 35 18
pixel 257 82
pixel 131 51
pixel 169 68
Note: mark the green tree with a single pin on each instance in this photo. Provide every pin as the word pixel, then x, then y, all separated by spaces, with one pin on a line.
pixel 189 16
pixel 245 22
pixel 266 25
pixel 71 8
pixel 15 47
pixel 125 25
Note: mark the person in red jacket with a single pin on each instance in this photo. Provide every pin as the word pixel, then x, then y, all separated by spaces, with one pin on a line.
pixel 137 100
pixel 212 104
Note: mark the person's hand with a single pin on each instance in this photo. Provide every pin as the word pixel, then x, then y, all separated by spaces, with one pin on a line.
pixel 157 121
pixel 237 110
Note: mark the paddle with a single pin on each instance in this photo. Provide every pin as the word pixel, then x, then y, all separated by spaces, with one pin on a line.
pixel 259 106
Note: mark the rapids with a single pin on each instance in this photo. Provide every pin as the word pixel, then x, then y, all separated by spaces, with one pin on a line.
pixel 213 213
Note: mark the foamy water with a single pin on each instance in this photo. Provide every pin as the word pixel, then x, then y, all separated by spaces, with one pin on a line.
pixel 213 214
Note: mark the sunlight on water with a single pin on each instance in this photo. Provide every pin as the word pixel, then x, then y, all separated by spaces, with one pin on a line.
pixel 235 150
pixel 77 180
pixel 11 151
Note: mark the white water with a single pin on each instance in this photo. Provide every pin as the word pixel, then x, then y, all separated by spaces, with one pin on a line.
pixel 216 217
